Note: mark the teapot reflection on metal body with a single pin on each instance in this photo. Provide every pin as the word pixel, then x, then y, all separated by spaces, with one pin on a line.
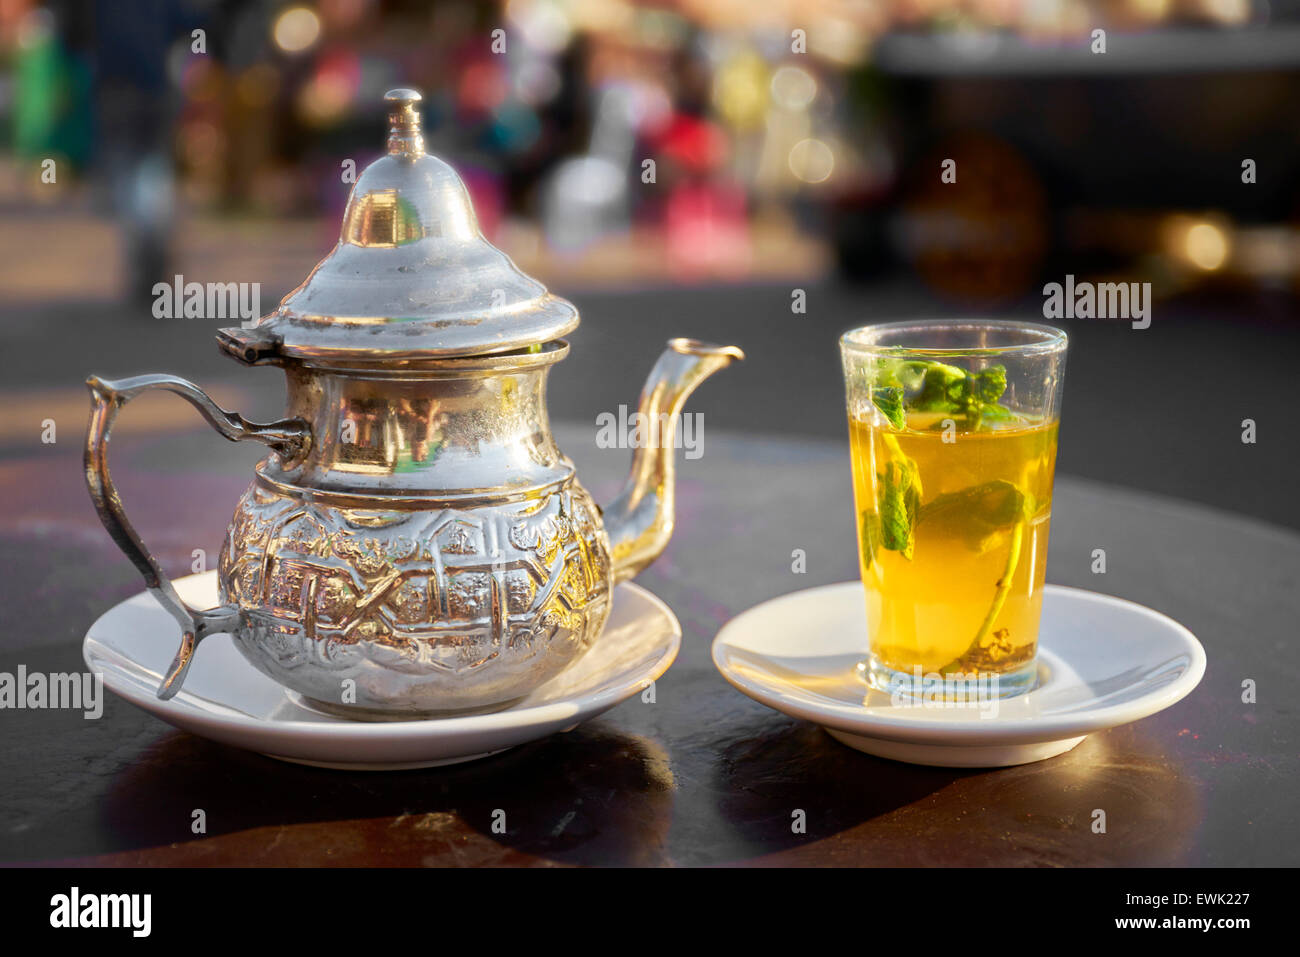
pixel 414 528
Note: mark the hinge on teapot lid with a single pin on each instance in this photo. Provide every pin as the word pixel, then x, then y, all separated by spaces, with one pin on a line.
pixel 252 346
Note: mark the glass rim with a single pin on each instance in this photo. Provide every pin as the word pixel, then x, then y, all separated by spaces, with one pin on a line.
pixel 1049 339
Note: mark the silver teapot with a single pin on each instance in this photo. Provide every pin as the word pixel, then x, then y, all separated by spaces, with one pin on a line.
pixel 414 543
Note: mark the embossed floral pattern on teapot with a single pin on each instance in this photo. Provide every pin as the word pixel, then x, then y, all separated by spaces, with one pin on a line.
pixel 414 543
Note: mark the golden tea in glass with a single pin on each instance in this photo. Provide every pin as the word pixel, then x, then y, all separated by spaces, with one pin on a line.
pixel 953 432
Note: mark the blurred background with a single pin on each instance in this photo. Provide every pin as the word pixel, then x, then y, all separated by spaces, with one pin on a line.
pixel 796 146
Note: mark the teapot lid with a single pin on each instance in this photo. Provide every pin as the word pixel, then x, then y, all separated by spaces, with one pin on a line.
pixel 411 276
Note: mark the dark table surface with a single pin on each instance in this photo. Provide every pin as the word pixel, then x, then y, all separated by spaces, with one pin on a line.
pixel 702 776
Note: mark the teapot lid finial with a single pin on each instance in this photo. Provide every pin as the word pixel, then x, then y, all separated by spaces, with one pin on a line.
pixel 412 275
pixel 404 136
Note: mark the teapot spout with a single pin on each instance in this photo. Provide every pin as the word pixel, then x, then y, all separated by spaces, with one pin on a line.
pixel 640 521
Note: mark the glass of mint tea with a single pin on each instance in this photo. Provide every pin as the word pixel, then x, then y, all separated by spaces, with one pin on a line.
pixel 953 432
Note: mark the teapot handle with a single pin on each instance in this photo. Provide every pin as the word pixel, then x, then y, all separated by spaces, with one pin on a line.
pixel 290 437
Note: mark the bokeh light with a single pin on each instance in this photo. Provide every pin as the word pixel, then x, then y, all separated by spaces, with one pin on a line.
pixel 1230 12
pixel 793 87
pixel 739 90
pixel 296 29
pixel 1206 246
pixel 331 90
pixel 544 24
pixel 1151 10
pixel 811 161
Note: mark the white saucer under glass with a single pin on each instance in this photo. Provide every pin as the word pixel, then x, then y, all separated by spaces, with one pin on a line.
pixel 1102 662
